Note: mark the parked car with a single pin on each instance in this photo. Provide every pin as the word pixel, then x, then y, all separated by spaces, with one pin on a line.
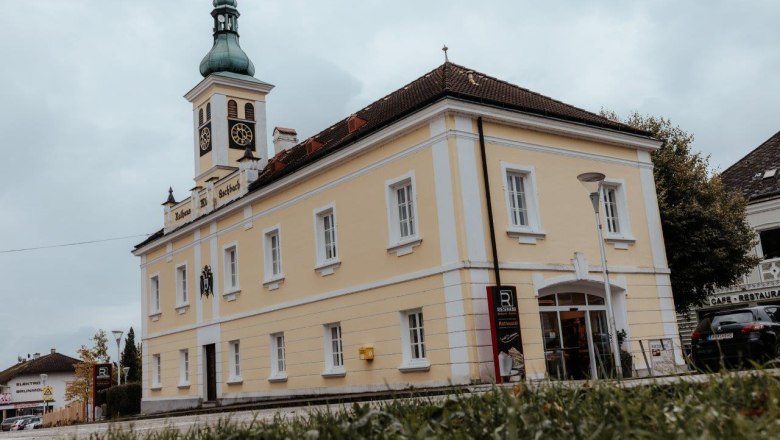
pixel 20 424
pixel 736 338
pixel 34 423
pixel 11 421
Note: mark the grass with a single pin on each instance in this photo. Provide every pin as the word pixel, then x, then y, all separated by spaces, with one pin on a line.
pixel 726 407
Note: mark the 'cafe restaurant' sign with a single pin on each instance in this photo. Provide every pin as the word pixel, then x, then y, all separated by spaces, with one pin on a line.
pixel 741 298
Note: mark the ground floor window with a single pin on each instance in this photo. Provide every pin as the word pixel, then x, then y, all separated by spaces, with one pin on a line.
pixel 576 336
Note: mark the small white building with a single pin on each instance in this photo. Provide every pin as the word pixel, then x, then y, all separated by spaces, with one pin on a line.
pixel 21 386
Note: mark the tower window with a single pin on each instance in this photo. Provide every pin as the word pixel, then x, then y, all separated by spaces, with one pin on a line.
pixel 232 109
pixel 249 112
pixel 200 116
pixel 208 111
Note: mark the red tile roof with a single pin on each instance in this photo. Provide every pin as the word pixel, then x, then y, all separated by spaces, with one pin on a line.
pixel 743 175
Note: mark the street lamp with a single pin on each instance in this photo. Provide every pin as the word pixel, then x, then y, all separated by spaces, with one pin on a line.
pixel 592 182
pixel 125 370
pixel 118 337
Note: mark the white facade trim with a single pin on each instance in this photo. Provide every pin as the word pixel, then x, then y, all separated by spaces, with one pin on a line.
pixel 325 266
pixel 395 242
pixel 534 228
pixel 471 197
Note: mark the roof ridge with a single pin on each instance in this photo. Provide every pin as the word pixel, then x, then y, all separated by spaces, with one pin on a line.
pixel 745 157
pixel 538 94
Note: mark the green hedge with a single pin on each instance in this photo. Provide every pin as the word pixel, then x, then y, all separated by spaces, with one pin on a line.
pixel 123 400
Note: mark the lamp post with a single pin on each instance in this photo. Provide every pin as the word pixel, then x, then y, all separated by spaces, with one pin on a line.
pixel 592 182
pixel 44 377
pixel 125 370
pixel 118 337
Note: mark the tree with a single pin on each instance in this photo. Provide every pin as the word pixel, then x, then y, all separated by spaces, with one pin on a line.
pixel 708 240
pixel 81 388
pixel 100 349
pixel 130 358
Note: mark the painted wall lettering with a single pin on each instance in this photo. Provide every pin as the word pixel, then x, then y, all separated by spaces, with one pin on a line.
pixel 229 190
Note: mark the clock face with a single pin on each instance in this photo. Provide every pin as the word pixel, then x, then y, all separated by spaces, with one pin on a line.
pixel 204 139
pixel 241 134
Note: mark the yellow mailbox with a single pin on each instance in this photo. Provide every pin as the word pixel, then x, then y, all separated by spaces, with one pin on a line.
pixel 366 353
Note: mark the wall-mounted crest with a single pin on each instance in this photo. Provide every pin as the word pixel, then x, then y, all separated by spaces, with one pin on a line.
pixel 206 282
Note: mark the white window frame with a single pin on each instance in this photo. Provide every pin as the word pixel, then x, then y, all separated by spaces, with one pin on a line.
pixel 182 288
pixel 396 243
pixel 624 236
pixel 410 362
pixel 278 355
pixel 529 233
pixel 326 266
pixel 230 291
pixel 184 368
pixel 334 357
pixel 156 371
pixel 272 280
pixel 234 362
pixel 154 297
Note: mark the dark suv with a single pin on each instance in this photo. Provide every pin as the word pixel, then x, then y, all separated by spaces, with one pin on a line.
pixel 734 338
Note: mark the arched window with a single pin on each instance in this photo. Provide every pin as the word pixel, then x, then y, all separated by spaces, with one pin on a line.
pixel 249 112
pixel 208 111
pixel 200 117
pixel 232 109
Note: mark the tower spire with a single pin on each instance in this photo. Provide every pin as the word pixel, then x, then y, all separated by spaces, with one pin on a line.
pixel 226 55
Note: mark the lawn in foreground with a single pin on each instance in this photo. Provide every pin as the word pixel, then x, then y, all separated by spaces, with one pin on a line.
pixel 726 407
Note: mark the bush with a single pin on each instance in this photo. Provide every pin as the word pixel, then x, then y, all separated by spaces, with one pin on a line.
pixel 123 400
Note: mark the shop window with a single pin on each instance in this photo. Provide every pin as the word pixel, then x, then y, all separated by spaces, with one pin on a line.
pixel 770 243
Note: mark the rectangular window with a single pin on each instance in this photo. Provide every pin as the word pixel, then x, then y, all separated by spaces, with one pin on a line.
pixel 413 341
pixel 518 206
pixel 156 371
pixel 278 358
pixel 235 361
pixel 231 268
pixel 325 234
pixel 334 352
pixel 273 254
pixel 770 243
pixel 155 294
pixel 181 284
pixel 416 335
pixel 611 209
pixel 404 197
pixel 184 367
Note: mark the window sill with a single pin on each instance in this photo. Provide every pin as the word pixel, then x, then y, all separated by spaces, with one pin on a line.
pixel 231 295
pixel 415 367
pixel 404 247
pixel 183 385
pixel 328 268
pixel 620 242
pixel 334 373
pixel 155 316
pixel 526 236
pixel 236 380
pixel 273 283
pixel 155 388
pixel 182 308
pixel 277 378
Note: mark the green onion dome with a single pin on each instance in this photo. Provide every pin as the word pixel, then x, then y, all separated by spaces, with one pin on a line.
pixel 226 55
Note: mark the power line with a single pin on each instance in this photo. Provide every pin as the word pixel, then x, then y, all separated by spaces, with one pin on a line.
pixel 80 243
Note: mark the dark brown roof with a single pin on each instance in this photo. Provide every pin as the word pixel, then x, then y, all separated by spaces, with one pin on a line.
pixel 446 81
pixel 50 363
pixel 744 177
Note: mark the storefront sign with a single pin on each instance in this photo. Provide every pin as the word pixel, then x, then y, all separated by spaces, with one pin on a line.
pixel 101 378
pixel 505 330
pixel 740 298
pixel 5 398
pixel 25 388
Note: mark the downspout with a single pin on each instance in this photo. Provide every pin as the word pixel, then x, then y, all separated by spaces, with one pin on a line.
pixel 496 271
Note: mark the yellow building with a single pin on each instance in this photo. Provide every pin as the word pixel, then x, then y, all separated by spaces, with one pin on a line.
pixel 358 259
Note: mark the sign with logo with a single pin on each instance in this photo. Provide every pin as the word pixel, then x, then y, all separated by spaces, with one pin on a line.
pixel 48 393
pixel 206 282
pixel 505 330
pixel 101 379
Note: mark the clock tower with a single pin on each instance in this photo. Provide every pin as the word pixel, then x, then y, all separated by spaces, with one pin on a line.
pixel 229 104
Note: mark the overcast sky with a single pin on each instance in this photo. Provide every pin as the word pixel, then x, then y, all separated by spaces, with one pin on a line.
pixel 93 126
